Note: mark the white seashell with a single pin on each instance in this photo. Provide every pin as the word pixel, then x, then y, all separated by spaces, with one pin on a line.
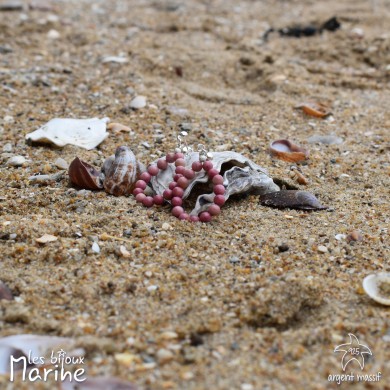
pixel 121 172
pixel 377 287
pixel 118 60
pixel 16 161
pixel 241 175
pixel 85 133
pixel 138 102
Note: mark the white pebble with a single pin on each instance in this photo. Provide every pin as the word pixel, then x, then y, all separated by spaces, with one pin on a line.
pixel 7 148
pixel 138 102
pixel 152 288
pixel 322 249
pixel 95 247
pixel 8 119
pixel 16 161
pixel 61 163
pixel 340 237
pixel 53 34
pixel 164 355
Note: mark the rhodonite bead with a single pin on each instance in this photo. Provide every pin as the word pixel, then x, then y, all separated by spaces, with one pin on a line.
pixel 140 197
pixel 137 191
pixel 177 201
pixel 177 210
pixel 178 155
pixel 140 184
pixel 180 162
pixel 167 194
pixel 194 218
pixel 182 182
pixel 172 185
pixel 158 199
pixel 219 200
pixel 219 189
pixel 145 176
pixel 207 165
pixel 189 174
pixel 217 179
pixel 162 164
pixel 148 201
pixel 180 170
pixel 197 166
pixel 184 216
pixel 214 209
pixel 212 172
pixel 205 217
pixel 178 191
pixel 153 170
pixel 170 157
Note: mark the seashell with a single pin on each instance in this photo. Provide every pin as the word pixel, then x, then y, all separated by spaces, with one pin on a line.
pixel 377 287
pixel 241 176
pixel 298 176
pixel 84 175
pixel 284 149
pixel 121 172
pixel 292 199
pixel 319 110
pixel 16 161
pixel 85 133
pixel 138 102
pixel 118 127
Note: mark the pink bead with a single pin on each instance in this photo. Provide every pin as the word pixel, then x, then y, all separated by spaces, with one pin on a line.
pixel 205 217
pixel 182 182
pixel 140 197
pixel 167 194
pixel 180 162
pixel 179 155
pixel 153 170
pixel 140 184
pixel 180 170
pixel 219 189
pixel 214 209
pixel 177 201
pixel 197 166
pixel 217 179
pixel 184 217
pixel 148 201
pixel 138 191
pixel 212 172
pixel 194 218
pixel 207 165
pixel 170 157
pixel 189 174
pixel 176 211
pixel 172 185
pixel 158 200
pixel 219 200
pixel 177 177
pixel 178 191
pixel 145 176
pixel 162 164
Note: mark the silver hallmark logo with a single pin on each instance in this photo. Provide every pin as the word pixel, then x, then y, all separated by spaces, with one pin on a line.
pixel 353 351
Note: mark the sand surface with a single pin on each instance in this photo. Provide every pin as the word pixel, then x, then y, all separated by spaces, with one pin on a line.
pixel 231 309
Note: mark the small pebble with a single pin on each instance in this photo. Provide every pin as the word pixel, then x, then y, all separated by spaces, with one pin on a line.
pixel 340 237
pixel 7 148
pixel 95 247
pixel 322 249
pixel 164 355
pixel 354 236
pixel 124 252
pixel 53 34
pixel 61 163
pixel 234 260
pixel 8 119
pixel 166 226
pixel 283 248
pixel 138 102
pixel 152 288
pixel 16 161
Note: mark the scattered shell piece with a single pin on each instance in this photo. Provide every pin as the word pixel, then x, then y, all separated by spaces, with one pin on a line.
pixel 138 102
pixel 164 355
pixel 285 150
pixel 124 252
pixel 377 287
pixel 340 237
pixel 47 178
pixel 61 163
pixel 118 60
pixel 5 292
pixel 53 34
pixel 292 199
pixel 121 173
pixel 7 148
pixel 46 238
pixel 95 247
pixel 330 139
pixel 85 133
pixel 357 33
pixel 319 110
pixel 118 127
pixel 354 236
pixel 298 176
pixel 84 175
pixel 16 161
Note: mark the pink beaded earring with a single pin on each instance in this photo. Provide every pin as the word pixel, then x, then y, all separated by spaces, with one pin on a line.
pixel 183 176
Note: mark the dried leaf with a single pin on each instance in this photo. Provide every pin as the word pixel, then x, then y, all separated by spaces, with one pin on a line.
pixel 292 199
pixel 46 238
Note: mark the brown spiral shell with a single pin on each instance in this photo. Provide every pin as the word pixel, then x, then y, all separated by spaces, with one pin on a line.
pixel 84 175
pixel 121 173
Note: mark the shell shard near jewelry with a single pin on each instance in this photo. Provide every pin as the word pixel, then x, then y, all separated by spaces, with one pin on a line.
pixel 377 287
pixel 84 175
pixel 121 172
pixel 293 199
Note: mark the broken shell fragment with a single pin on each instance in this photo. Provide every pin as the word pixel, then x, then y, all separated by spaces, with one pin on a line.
pixel 318 110
pixel 118 127
pixel 121 172
pixel 85 133
pixel 285 150
pixel 292 199
pixel 377 287
pixel 84 175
